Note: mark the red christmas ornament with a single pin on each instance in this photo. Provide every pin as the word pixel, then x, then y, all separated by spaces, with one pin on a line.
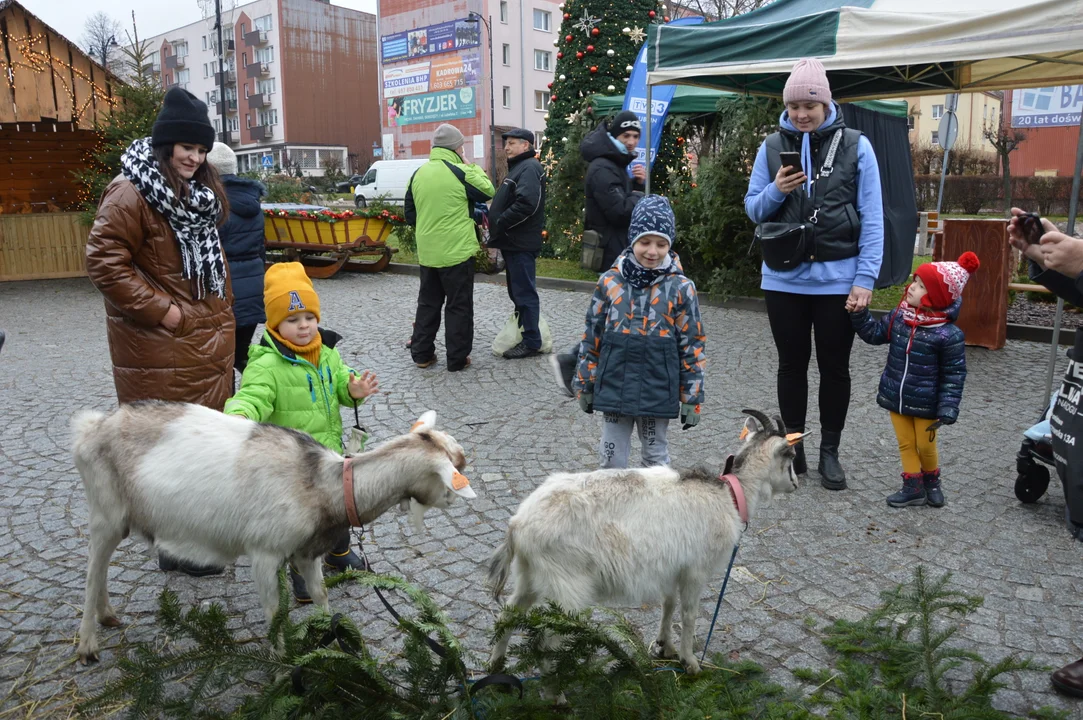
pixel 579 56
pixel 666 18
pixel 567 16
pixel 590 110
pixel 560 56
pixel 590 48
pixel 553 97
pixel 545 233
pixel 550 86
pixel 680 140
pixel 567 38
pixel 595 32
pixel 652 14
pixel 593 69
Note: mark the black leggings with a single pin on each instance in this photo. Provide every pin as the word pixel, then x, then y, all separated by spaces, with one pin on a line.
pixel 793 318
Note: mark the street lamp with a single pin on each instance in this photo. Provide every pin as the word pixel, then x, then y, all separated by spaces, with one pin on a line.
pixel 474 17
pixel 106 44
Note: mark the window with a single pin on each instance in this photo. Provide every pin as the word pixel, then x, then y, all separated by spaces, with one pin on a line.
pixel 938 112
pixel 262 23
pixel 204 42
pixel 267 87
pixel 538 139
pixel 268 117
pixel 909 122
pixel 936 137
pixel 212 98
pixel 505 97
pixel 543 20
pixel 504 11
pixel 183 76
pixel 152 60
pixel 233 123
pixel 542 60
pixel 265 55
pixel 180 49
pixel 505 54
pixel 985 113
pixel 205 73
pixel 541 101
pixel 247 120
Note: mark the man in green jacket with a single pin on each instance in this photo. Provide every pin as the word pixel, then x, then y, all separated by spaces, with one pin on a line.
pixel 440 204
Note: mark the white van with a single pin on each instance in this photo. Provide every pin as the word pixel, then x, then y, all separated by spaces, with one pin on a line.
pixel 388 178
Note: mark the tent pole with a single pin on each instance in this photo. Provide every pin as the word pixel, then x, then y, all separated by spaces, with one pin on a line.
pixel 647 140
pixel 1073 209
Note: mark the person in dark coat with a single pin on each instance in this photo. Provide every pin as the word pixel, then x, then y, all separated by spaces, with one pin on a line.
pixel 1056 261
pixel 610 193
pixel 242 240
pixel 516 223
pixel 922 384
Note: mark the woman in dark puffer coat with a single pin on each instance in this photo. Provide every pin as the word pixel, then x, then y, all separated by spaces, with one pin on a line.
pixel 922 384
pixel 242 241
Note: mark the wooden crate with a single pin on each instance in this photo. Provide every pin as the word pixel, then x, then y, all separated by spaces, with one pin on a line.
pixel 984 317
pixel 42 245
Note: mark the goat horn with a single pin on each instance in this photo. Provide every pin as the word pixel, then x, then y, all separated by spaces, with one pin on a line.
pixel 763 419
pixel 781 426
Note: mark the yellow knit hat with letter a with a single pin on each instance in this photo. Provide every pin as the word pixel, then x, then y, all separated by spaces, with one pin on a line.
pixel 287 290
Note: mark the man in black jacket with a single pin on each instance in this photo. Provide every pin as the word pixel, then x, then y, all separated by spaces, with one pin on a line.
pixel 516 223
pixel 611 194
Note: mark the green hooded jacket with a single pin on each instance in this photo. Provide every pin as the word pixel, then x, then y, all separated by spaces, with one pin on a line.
pixel 282 389
pixel 440 204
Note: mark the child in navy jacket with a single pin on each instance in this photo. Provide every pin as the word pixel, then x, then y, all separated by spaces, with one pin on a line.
pixel 922 384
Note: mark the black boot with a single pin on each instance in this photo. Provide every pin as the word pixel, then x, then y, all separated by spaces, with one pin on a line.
pixel 300 590
pixel 912 493
pixel 832 476
pixel 168 563
pixel 932 488
pixel 800 465
pixel 342 557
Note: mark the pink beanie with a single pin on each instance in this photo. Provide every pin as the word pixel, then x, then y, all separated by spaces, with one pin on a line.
pixel 807 83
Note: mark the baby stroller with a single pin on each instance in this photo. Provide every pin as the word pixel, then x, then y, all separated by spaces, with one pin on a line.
pixel 1032 479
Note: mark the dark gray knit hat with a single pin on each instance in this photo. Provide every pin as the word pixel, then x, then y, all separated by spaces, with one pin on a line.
pixel 182 119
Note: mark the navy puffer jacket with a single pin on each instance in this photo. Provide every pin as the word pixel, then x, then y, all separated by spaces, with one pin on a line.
pixel 924 377
pixel 242 241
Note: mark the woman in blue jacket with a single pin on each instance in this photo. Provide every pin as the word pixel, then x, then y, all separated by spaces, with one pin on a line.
pixel 822 236
pixel 242 242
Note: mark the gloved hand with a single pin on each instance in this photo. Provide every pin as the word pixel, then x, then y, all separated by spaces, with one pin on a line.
pixel 586 402
pixel 689 415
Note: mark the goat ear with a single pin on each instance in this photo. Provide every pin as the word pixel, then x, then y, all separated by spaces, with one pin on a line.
pixel 750 428
pixel 794 438
pixel 427 421
pixel 457 483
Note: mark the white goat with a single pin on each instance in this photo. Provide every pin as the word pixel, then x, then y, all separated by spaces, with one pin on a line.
pixel 207 487
pixel 628 537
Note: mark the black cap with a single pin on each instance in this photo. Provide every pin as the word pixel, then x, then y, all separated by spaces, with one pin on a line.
pixel 623 122
pixel 182 119
pixel 519 134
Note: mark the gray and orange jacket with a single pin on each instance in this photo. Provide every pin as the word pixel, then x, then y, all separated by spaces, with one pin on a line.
pixel 642 353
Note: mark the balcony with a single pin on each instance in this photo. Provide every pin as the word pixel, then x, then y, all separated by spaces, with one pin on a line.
pixel 257 69
pixel 258 100
pixel 255 38
pixel 230 78
pixel 262 132
pixel 231 106
pixel 228 43
pixel 226 137
pixel 175 62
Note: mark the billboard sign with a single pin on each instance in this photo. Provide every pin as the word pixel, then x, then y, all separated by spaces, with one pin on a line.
pixel 406 80
pixel 1058 106
pixel 431 107
pixel 454 72
pixel 429 40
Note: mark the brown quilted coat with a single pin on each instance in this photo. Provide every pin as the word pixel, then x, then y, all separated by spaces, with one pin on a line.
pixel 132 257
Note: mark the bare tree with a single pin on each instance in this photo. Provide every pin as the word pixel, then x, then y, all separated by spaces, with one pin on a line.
pixel 1004 139
pixel 713 9
pixel 100 39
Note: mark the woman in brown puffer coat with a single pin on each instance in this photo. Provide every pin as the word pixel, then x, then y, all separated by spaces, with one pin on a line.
pixel 154 254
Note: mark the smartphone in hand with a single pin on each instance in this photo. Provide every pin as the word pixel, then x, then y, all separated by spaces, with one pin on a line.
pixel 1030 226
pixel 791 161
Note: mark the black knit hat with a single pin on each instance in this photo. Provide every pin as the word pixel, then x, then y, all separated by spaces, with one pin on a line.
pixel 182 119
pixel 623 122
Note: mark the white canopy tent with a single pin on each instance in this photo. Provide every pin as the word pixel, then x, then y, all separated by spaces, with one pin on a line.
pixel 881 49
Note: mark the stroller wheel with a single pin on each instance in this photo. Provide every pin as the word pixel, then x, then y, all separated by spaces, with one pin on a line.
pixel 1032 483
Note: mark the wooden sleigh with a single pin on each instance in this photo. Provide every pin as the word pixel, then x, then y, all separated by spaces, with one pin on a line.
pixel 304 234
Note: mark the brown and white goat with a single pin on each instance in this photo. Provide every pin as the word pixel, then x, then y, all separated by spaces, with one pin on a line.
pixel 207 487
pixel 628 537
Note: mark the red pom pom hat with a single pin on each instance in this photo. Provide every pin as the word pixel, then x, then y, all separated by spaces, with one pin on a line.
pixel 944 281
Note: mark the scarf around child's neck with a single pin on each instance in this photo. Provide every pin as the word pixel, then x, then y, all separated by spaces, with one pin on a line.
pixel 639 276
pixel 310 352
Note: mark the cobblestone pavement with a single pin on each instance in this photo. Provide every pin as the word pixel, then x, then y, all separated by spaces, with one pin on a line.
pixel 814 555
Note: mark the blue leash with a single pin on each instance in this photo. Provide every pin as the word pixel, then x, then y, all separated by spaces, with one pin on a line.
pixel 718 606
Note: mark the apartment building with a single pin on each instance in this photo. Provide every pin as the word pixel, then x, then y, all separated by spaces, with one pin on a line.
pixel 297 85
pixel 975 111
pixel 434 68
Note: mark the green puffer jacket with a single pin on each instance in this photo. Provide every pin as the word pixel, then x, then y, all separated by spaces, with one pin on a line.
pixel 440 203
pixel 282 389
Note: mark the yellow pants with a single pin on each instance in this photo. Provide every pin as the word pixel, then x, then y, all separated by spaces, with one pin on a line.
pixel 917 445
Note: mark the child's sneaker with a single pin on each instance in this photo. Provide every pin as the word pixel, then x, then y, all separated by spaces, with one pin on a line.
pixel 912 493
pixel 300 590
pixel 933 492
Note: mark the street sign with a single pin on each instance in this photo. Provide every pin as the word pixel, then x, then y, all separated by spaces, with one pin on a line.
pixel 267 161
pixel 377 152
pixel 948 130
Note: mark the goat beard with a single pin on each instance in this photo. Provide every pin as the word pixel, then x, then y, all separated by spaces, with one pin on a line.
pixel 416 513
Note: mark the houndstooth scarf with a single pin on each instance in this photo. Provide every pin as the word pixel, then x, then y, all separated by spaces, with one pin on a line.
pixel 193 222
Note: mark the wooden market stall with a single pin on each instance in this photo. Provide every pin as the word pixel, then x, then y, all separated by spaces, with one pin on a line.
pixel 52 95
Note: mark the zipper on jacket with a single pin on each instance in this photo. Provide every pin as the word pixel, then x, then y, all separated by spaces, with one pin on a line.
pixel 311 390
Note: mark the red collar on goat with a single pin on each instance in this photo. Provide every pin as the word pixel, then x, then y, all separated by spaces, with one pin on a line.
pixel 347 490
pixel 735 488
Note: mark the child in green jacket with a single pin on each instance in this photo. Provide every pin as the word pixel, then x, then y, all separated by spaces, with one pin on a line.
pixel 296 378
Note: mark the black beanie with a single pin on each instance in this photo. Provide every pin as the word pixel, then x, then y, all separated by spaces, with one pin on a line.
pixel 182 119
pixel 623 122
